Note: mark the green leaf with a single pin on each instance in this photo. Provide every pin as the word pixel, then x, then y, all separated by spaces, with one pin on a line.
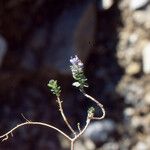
pixel 76 84
pixel 55 89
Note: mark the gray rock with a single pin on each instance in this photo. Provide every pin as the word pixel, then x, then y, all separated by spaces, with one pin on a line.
pixel 89 145
pixel 132 93
pixel 146 59
pixel 128 112
pixel 105 4
pixel 3 48
pixel 110 146
pixel 141 146
pixel 100 131
pixel 136 4
pixel 79 145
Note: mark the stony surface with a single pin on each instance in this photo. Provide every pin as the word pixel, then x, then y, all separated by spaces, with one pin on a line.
pixel 137 4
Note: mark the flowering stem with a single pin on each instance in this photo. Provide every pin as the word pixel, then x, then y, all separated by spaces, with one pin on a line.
pixel 80 82
pixel 98 104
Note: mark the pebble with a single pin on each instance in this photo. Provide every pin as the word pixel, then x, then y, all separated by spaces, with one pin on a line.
pixel 133 38
pixel 99 131
pixel 133 93
pixel 105 4
pixel 89 144
pixel 133 68
pixel 146 59
pixel 137 4
pixel 147 98
pixel 140 146
pixel 110 146
pixel 129 112
pixel 136 121
pixel 142 18
pixel 79 145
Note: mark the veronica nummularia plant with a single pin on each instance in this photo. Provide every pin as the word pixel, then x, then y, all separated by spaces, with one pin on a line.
pixel 80 83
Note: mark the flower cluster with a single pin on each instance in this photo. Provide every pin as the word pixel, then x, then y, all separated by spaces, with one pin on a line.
pixel 77 73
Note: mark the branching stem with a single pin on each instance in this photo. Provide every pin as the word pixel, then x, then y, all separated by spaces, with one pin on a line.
pixel 98 104
pixel 76 136
pixel 63 115
pixel 4 136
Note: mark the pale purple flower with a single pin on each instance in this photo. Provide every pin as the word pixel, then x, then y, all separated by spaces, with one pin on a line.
pixel 78 73
pixel 76 62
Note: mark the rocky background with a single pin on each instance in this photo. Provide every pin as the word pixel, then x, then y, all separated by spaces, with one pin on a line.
pixel 112 38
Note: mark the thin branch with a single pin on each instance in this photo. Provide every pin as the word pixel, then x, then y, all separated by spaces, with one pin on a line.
pixel 25 118
pixel 78 125
pixel 5 136
pixel 98 103
pixel 63 115
pixel 82 131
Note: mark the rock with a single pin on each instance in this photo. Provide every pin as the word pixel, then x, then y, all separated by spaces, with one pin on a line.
pixel 105 4
pixel 79 145
pixel 147 98
pixel 137 4
pixel 142 18
pixel 131 90
pixel 89 145
pixel 63 142
pixel 73 30
pixel 136 121
pixel 3 49
pixel 141 146
pixel 128 112
pixel 145 58
pixel 133 38
pixel 110 146
pixel 100 131
pixel 86 145
pixel 133 68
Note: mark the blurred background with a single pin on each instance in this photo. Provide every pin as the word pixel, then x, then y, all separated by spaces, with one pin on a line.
pixel 112 38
